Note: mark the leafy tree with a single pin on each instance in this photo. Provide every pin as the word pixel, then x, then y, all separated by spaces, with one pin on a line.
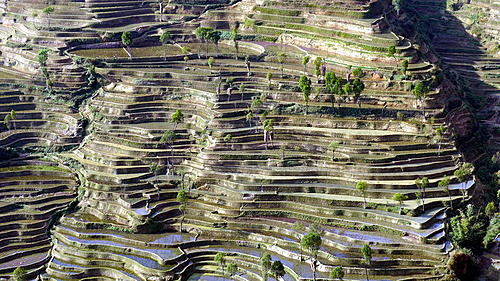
pixel 177 118
pixel 214 37
pixel 182 198
pixel 127 41
pixel 305 61
pixel 281 60
pixel 220 259
pixel 265 265
pixel 231 268
pixel 337 90
pixel 42 57
pixel 20 274
pixel 492 231
pixel 422 184
pixel 312 243
pixel 391 51
pixel 366 251
pixel 268 130
pixel 397 5
pixel 249 117
pixel 337 273
pixel 201 34
pixel 47 11
pixel 8 119
pixel 318 63
pixel 277 270
pixel 404 66
pixel 490 209
pixel 348 89
pixel 358 72
pixel 420 90
pixel 357 88
pixel 234 38
pixel 463 174
pixel 333 146
pixel 361 187
pixel 444 184
pixel 467 229
pixel 330 82
pixel 305 87
pixel 439 134
pixel 165 38
pixel 210 62
pixel 269 76
pixel 398 197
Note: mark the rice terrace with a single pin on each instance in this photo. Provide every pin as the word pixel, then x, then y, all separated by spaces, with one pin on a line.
pixel 250 140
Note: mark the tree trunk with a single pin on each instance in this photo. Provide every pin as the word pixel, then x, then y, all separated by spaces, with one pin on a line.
pixel 451 201
pixel 364 201
pixel 366 273
pixel 182 220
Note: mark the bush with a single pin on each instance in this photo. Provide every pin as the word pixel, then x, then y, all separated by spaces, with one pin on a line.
pixel 462 265
pixel 20 274
pixel 492 232
pixel 468 229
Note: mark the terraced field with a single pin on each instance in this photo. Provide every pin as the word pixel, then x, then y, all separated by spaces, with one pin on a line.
pixel 101 147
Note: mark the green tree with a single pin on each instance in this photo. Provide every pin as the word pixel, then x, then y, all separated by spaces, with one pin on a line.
pixel 268 127
pixel 281 60
pixel 492 231
pixel 182 199
pixel 127 41
pixel 361 187
pixel 265 265
pixel 358 72
pixel 214 36
pixel 444 184
pixel 422 184
pixel 210 62
pixel 234 38
pixel 463 174
pixel 312 243
pixel 42 57
pixel 366 251
pixel 391 51
pixel 318 63
pixel 397 5
pixel 333 147
pixel 439 135
pixel 398 197
pixel 248 117
pixel 20 274
pixel 357 88
pixel 201 34
pixel 277 270
pixel 305 61
pixel 231 268
pixel 305 87
pixel 220 259
pixel 490 209
pixel 8 119
pixel 269 76
pixel 467 229
pixel 165 38
pixel 404 66
pixel 48 11
pixel 348 89
pixel 177 118
pixel 337 273
pixel 420 91
pixel 330 82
